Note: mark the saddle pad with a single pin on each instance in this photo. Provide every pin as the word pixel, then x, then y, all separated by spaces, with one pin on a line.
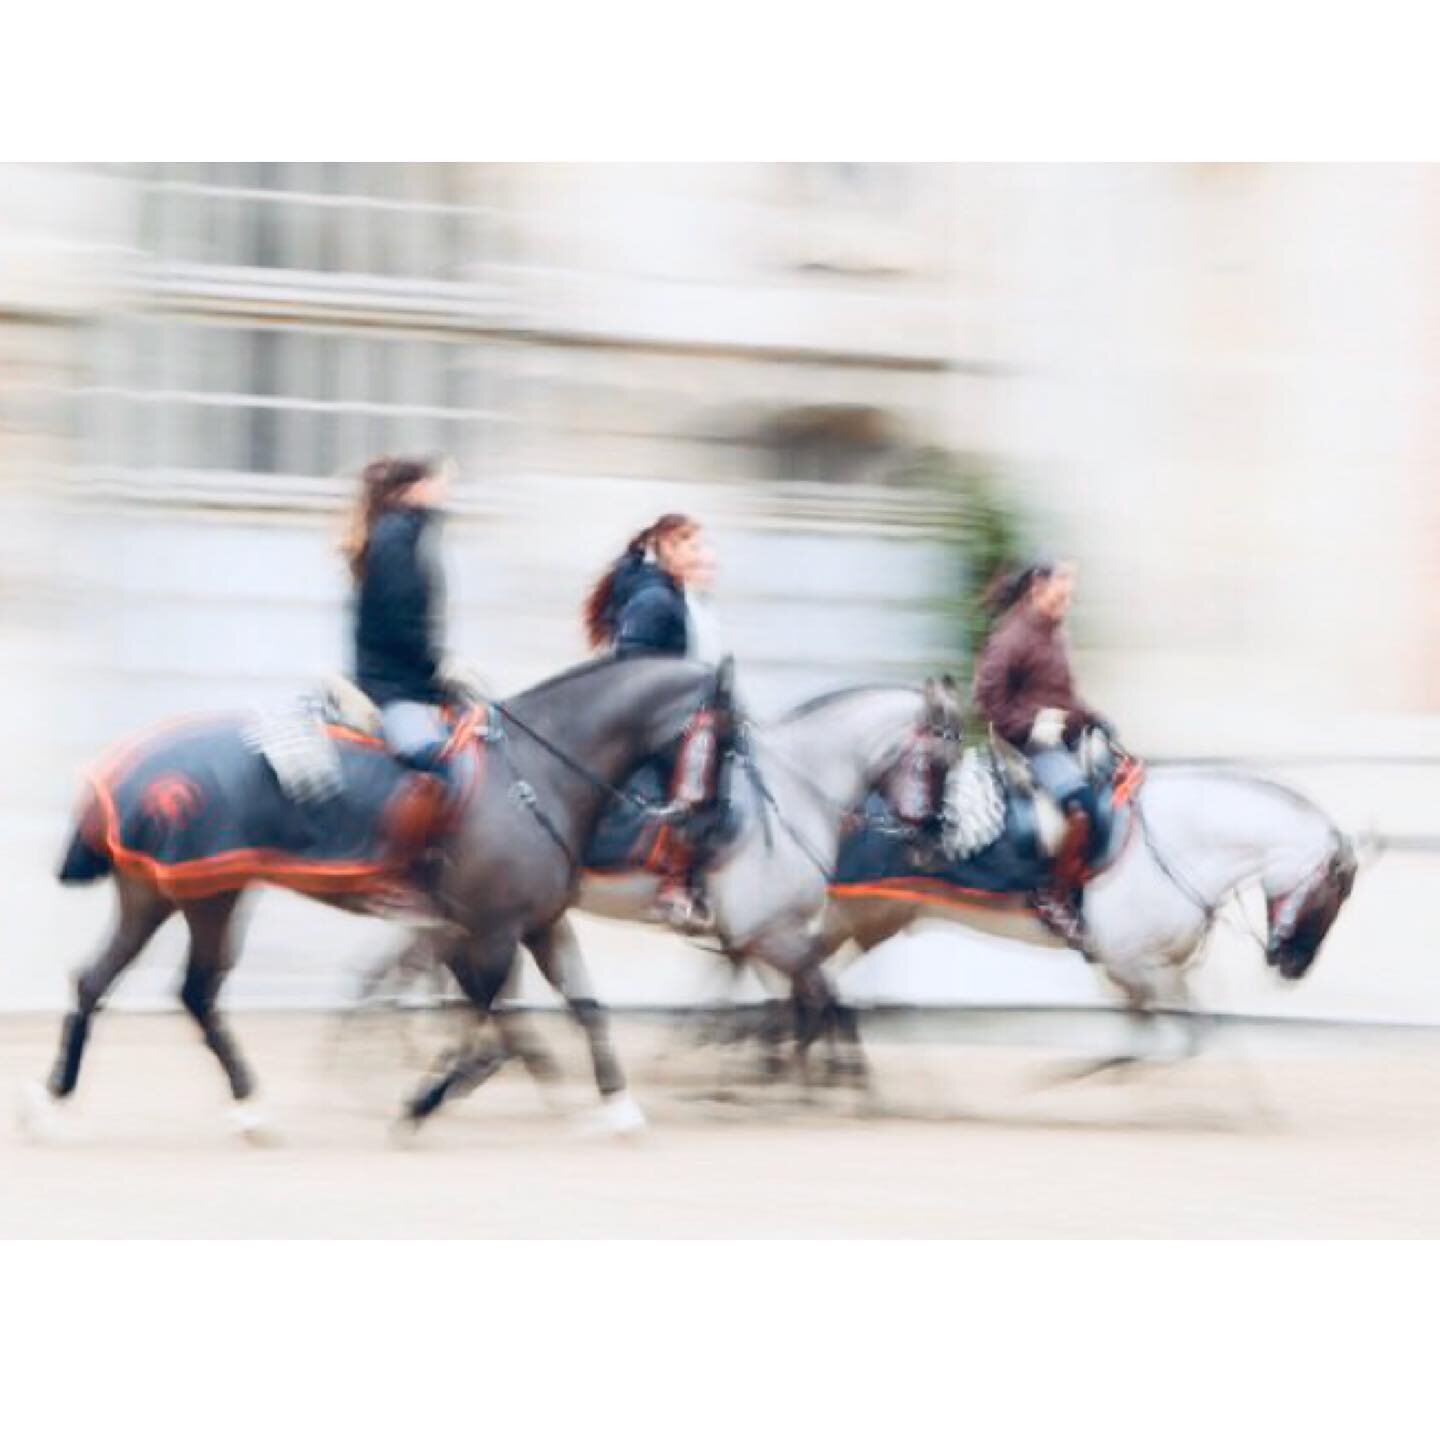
pixel 628 838
pixel 874 857
pixel 873 853
pixel 196 811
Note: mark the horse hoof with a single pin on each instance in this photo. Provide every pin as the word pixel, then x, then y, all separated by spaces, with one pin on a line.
pixel 618 1115
pixel 405 1131
pixel 39 1114
pixel 251 1125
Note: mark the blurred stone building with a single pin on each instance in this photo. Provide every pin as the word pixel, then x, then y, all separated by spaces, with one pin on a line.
pixel 1207 382
pixel 763 345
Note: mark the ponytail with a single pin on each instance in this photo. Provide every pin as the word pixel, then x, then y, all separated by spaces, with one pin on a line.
pixel 382 483
pixel 600 611
pixel 1010 587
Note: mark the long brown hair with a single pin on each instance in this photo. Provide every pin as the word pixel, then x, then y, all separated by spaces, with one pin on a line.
pixel 599 608
pixel 382 483
pixel 1008 589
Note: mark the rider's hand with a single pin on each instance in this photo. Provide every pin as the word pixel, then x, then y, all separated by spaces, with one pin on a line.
pixel 1048 729
pixel 1104 725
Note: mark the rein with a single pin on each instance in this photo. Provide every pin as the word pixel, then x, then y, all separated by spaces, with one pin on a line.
pixel 1206 908
pixel 1214 911
pixel 770 804
pixel 495 733
pixel 523 792
pixel 840 813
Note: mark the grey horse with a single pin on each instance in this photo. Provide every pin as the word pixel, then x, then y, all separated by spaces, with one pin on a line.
pixel 796 783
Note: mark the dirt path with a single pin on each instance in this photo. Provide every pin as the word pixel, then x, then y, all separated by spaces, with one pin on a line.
pixel 1349 1145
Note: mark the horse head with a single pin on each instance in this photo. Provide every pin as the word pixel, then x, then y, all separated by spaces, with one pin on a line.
pixel 945 717
pixel 915 781
pixel 1301 917
pixel 722 696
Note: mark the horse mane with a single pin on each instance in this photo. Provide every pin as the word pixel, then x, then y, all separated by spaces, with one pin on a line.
pixel 587 667
pixel 1299 801
pixel 836 697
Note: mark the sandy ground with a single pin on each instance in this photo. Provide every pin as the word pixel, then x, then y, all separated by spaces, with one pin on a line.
pixel 1274 1133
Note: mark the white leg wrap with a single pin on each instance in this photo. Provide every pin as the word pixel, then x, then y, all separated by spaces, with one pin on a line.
pixel 617 1114
pixel 251 1124
pixel 39 1114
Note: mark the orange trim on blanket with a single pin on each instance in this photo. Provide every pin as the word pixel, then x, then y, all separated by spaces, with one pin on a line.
pixel 191 879
pixel 233 869
pixel 916 888
pixel 352 736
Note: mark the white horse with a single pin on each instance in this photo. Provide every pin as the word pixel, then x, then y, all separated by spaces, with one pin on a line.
pixel 1195 838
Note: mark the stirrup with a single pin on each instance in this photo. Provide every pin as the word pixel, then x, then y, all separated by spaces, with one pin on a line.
pixel 1062 918
pixel 679 907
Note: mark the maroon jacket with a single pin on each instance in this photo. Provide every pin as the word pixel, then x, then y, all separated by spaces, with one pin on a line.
pixel 1024 669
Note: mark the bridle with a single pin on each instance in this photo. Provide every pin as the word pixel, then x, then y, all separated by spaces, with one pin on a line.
pixel 1284 910
pixel 934 726
pixel 523 793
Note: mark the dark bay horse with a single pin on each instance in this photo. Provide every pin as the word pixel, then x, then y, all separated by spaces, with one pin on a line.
pixel 800 779
pixel 510 864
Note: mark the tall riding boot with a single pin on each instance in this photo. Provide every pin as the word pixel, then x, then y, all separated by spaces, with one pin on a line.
pixel 1059 904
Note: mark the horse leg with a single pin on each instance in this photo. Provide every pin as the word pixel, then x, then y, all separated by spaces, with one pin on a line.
pixel 207 965
pixel 798 956
pixel 520 1042
pixel 416 959
pixel 1140 999
pixel 142 911
pixel 849 1059
pixel 815 1015
pixel 821 1013
pixel 481 968
pixel 1201 1027
pixel 557 953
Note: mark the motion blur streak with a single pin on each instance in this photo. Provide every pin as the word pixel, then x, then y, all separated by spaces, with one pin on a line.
pixel 1212 385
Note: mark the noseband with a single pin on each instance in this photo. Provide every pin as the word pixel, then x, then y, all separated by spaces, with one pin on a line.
pixel 1287 909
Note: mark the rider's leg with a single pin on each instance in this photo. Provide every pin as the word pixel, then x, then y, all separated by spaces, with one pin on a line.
pixel 1059 774
pixel 415 735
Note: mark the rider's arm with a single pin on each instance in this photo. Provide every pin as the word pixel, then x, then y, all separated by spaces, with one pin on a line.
pixel 648 625
pixel 1000 689
pixel 404 591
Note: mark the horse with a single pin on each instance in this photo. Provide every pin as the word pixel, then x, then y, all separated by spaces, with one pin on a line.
pixel 1195 838
pixel 796 784
pixel 509 864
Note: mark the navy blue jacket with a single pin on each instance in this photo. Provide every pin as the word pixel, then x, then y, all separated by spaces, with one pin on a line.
pixel 649 610
pixel 400 609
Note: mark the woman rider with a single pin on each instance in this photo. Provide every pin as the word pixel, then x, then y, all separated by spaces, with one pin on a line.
pixel 1024 688
pixel 400 602
pixel 645 603
pixel 650 602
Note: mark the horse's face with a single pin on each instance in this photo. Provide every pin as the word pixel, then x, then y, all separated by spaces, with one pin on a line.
pixel 1301 918
pixel 945 717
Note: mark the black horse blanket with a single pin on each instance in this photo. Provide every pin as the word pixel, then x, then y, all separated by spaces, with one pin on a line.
pixel 880 857
pixel 196 811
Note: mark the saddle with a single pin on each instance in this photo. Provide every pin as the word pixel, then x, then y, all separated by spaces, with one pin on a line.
pixel 999 830
pixel 1037 810
pixel 303 744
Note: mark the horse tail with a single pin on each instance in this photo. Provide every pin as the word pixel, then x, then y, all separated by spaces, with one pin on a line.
pixel 84 860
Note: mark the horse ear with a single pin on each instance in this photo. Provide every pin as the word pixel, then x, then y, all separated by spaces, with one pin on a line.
pixel 725 680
